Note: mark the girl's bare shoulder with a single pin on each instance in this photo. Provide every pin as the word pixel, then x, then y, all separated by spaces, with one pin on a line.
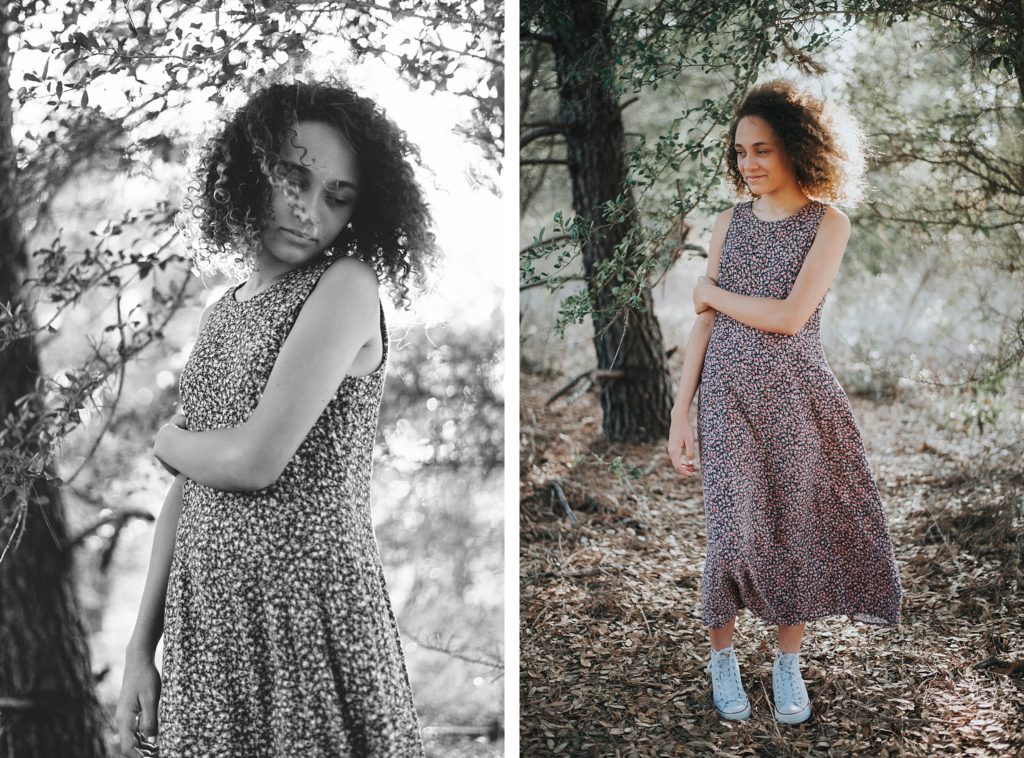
pixel 723 219
pixel 834 223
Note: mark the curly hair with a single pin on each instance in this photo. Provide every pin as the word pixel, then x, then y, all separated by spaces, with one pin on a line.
pixel 234 173
pixel 823 142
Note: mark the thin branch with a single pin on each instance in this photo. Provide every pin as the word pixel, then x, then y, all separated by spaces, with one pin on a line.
pixel 119 518
pixel 591 376
pixel 539 243
pixel 543 162
pixel 544 131
pixel 559 281
pixel 558 494
pixel 117 395
pixel 494 663
pixel 541 124
pixel 547 39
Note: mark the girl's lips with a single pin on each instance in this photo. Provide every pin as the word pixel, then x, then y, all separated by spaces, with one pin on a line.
pixel 298 235
pixel 754 178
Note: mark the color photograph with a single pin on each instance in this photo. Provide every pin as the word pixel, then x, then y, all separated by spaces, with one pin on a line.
pixel 771 406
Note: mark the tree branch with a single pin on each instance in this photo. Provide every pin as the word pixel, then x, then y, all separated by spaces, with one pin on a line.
pixel 544 131
pixel 560 280
pixel 547 39
pixel 543 162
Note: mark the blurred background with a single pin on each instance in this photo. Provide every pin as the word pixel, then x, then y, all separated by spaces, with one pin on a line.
pixel 930 290
pixel 107 99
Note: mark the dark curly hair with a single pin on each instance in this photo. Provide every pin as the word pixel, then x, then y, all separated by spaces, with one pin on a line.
pixel 234 173
pixel 823 142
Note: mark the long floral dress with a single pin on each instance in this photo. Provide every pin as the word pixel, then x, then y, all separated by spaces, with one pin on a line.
pixel 795 526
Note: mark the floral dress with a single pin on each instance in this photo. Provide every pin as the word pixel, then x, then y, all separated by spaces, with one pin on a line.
pixel 280 639
pixel 795 526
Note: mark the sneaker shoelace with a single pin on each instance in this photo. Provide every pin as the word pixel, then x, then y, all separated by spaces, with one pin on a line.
pixel 724 672
pixel 790 680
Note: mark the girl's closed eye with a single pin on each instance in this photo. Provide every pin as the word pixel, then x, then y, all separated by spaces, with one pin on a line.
pixel 338 201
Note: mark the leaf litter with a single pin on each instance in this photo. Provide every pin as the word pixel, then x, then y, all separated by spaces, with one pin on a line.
pixel 612 650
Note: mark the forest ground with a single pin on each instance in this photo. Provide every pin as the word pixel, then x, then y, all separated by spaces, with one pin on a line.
pixel 612 650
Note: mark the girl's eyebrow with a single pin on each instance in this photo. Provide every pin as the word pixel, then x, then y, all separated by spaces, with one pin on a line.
pixel 755 144
pixel 333 185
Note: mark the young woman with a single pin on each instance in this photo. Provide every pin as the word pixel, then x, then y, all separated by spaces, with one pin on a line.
pixel 795 526
pixel 265 581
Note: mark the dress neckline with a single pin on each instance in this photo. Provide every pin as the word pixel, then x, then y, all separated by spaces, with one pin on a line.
pixel 792 215
pixel 280 279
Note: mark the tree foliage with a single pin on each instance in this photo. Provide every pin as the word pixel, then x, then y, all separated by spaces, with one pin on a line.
pixel 716 49
pixel 108 95
pixel 115 88
pixel 692 62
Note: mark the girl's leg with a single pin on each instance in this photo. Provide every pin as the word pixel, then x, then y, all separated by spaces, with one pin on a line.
pixel 722 636
pixel 726 687
pixel 789 638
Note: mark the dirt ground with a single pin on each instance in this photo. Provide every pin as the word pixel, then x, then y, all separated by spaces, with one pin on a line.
pixel 613 651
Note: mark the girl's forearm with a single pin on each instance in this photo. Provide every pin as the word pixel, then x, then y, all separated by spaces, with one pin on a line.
pixel 764 313
pixel 218 458
pixel 150 624
pixel 693 363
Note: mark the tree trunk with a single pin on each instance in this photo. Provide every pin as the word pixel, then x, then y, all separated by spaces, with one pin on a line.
pixel 637 401
pixel 47 704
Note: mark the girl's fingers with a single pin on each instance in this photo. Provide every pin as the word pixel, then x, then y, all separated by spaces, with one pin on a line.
pixel 147 721
pixel 125 727
pixel 681 466
pixel 675 456
pixel 681 454
pixel 689 453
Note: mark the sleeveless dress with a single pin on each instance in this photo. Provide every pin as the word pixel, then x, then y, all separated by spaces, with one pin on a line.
pixel 795 525
pixel 279 636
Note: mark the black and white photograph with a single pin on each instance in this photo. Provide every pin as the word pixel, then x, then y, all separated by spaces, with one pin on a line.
pixel 251 379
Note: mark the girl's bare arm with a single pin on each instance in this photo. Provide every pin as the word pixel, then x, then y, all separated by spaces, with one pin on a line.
pixel 693 364
pixel 680 436
pixel 149 625
pixel 787 316
pixel 140 687
pixel 150 622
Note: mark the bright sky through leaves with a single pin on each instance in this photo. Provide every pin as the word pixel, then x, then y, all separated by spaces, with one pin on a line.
pixel 466 211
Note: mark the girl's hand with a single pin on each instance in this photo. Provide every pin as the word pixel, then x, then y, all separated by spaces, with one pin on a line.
pixel 177 420
pixel 137 705
pixel 700 293
pixel 680 439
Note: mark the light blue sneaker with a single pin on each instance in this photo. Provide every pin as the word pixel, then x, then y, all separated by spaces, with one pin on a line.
pixel 727 689
pixel 792 705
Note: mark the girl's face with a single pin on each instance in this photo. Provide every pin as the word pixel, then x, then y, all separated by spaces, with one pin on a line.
pixel 760 158
pixel 317 196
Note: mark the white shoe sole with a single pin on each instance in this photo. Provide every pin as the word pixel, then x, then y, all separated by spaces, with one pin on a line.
pixel 735 715
pixel 793 718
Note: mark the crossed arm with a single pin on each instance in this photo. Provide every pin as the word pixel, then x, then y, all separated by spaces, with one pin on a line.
pixel 786 316
pixel 339 318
